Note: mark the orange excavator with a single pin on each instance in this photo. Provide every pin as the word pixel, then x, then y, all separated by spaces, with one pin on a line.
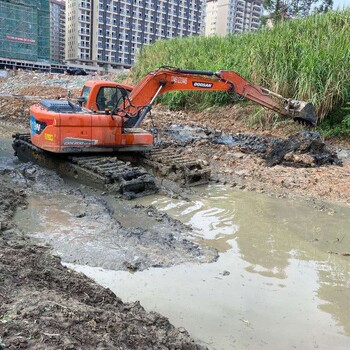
pixel 108 115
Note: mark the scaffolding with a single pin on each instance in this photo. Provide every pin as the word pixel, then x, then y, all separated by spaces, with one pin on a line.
pixel 25 29
pixel 43 29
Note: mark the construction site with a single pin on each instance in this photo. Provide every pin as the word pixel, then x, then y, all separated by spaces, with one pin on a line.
pixel 171 246
pixel 186 207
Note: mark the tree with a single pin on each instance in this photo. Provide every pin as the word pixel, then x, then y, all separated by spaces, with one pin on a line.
pixel 280 10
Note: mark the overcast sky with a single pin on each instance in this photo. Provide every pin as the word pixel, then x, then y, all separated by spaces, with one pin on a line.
pixel 341 3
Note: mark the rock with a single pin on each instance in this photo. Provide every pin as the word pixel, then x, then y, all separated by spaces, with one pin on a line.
pixel 239 155
pixel 241 172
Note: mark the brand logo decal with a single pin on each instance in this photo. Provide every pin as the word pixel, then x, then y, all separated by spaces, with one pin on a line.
pixel 36 126
pixel 202 85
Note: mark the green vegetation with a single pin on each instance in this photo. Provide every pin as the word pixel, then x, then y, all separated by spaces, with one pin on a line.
pixel 280 10
pixel 337 124
pixel 306 59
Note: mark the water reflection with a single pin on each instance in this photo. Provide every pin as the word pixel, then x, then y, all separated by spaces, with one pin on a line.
pixel 271 234
pixel 334 289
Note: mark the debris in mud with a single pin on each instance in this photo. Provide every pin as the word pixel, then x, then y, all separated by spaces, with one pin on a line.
pixel 185 134
pixel 247 143
pixel 301 149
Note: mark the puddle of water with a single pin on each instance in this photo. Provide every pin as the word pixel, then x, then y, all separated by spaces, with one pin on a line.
pixel 6 154
pixel 60 220
pixel 274 286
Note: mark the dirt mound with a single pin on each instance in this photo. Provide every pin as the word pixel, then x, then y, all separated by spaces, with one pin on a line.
pixel 54 92
pixel 301 149
pixel 15 109
pixel 43 305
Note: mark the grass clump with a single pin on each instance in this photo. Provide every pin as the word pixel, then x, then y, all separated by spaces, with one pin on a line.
pixel 337 124
pixel 305 59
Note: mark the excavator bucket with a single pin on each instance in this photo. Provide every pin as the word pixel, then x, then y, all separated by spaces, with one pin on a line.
pixel 302 112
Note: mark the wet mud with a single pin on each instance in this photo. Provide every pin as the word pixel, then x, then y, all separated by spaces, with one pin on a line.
pixel 86 229
pixel 302 149
pixel 43 305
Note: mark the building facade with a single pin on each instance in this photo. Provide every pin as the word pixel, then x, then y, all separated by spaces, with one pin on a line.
pixel 109 32
pixel 25 29
pixel 57 29
pixel 232 16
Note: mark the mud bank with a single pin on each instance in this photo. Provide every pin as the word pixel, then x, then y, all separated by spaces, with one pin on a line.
pixel 43 305
pixel 296 165
pixel 102 231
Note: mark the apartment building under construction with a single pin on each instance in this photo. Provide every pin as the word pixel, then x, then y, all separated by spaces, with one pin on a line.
pixel 25 29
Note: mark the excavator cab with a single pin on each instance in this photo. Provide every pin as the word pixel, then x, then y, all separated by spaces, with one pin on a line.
pixel 99 95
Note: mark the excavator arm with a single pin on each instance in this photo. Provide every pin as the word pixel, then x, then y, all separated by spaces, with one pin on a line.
pixel 139 102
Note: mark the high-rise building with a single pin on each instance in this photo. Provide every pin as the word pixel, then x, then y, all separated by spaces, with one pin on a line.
pixel 109 32
pixel 25 29
pixel 57 29
pixel 223 17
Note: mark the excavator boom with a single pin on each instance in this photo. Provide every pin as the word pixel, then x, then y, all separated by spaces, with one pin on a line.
pixel 141 98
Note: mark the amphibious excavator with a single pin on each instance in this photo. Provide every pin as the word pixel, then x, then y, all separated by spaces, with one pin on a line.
pixel 92 139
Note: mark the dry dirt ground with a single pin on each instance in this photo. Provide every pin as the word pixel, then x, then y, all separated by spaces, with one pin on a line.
pixel 43 305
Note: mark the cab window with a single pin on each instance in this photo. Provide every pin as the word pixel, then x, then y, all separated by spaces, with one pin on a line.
pixel 86 92
pixel 108 97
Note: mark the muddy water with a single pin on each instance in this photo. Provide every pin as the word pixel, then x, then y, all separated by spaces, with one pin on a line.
pixel 7 159
pixel 275 285
pixel 281 280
